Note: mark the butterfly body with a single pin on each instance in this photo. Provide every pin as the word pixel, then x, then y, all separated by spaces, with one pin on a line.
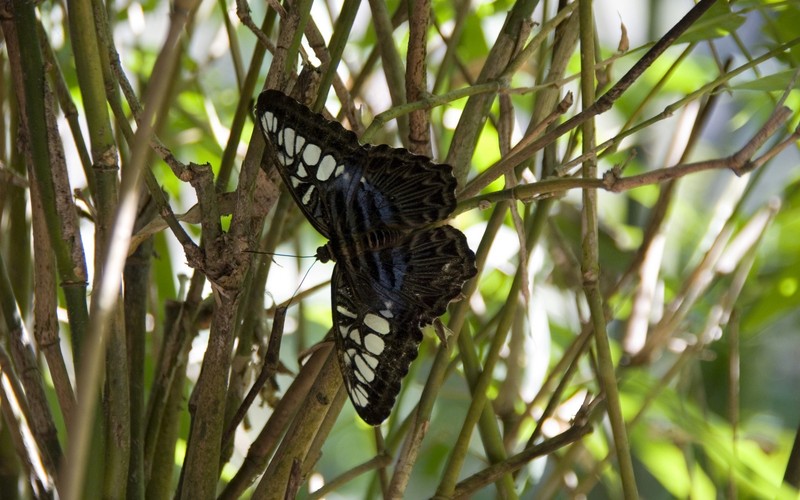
pixel 396 270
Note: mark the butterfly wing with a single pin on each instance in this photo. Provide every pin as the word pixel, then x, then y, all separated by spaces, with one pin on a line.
pixel 335 180
pixel 404 190
pixel 381 299
pixel 393 275
pixel 375 345
pixel 312 154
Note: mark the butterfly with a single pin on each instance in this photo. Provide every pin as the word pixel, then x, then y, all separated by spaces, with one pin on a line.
pixel 396 269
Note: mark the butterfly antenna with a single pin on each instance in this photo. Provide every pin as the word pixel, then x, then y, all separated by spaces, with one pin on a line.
pixel 274 254
pixel 301 284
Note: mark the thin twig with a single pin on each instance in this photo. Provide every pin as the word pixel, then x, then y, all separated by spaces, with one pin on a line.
pixel 579 428
pixel 378 461
pixel 600 106
pixel 268 370
pixel 739 163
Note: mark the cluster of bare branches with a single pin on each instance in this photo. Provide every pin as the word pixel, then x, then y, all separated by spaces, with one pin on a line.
pixel 119 391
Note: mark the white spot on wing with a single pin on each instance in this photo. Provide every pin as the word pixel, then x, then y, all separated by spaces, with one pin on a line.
pixel 359 396
pixel 301 169
pixel 344 312
pixel 355 336
pixel 343 331
pixel 298 145
pixel 307 196
pixel 339 170
pixel 386 313
pixel 374 344
pixel 372 360
pixel 365 370
pixel 311 154
pixel 376 323
pixel 269 121
pixel 288 140
pixel 326 167
pixel 295 182
pixel 266 121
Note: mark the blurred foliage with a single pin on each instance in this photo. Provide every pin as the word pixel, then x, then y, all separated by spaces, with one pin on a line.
pixel 709 413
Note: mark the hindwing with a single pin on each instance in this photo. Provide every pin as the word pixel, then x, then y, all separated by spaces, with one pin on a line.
pixel 381 299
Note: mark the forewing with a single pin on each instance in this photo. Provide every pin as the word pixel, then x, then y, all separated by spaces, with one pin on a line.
pixel 312 154
pixel 381 299
pixel 406 190
pixel 338 182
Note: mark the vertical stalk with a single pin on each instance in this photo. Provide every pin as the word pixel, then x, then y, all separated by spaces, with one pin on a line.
pixel 27 63
pixel 341 33
pixel 201 466
pixel 107 292
pixel 590 263
pixel 137 279
pixel 89 69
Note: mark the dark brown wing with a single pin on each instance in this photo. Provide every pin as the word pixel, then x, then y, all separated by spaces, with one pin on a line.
pixel 380 302
pixel 338 182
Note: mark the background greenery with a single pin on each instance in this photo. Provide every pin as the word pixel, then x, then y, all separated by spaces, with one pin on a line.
pixel 124 360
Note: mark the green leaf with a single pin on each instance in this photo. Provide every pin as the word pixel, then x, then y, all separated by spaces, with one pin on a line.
pixel 717 22
pixel 775 82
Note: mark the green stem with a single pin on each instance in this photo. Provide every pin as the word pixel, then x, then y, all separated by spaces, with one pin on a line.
pixel 590 264
pixel 71 273
pixel 341 33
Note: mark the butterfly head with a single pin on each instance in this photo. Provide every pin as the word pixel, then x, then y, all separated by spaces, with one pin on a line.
pixel 324 254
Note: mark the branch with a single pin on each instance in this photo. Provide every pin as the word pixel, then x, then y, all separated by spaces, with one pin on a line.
pixel 600 106
pixel 739 163
pixel 580 428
